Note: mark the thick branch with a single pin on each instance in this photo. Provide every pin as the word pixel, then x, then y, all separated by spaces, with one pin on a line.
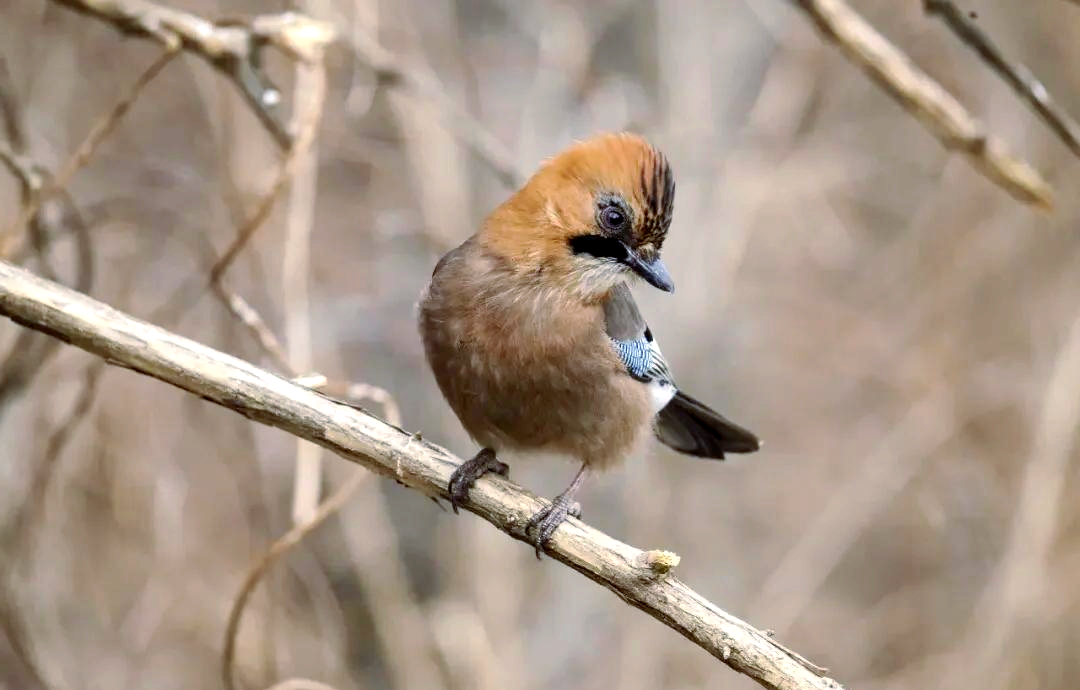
pixel 233 48
pixel 638 577
pixel 927 100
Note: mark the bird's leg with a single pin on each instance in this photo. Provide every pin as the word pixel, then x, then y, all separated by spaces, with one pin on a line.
pixel 469 471
pixel 548 519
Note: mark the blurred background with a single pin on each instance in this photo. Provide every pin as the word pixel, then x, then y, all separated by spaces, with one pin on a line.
pixel 902 334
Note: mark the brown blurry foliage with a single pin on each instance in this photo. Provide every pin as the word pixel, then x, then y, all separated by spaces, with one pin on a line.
pixel 900 332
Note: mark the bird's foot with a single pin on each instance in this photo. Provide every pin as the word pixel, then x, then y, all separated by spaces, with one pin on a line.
pixel 548 519
pixel 469 471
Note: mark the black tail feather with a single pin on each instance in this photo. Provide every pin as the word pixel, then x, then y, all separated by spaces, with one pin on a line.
pixel 690 427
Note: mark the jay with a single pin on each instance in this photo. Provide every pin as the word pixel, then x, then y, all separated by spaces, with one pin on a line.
pixel 535 339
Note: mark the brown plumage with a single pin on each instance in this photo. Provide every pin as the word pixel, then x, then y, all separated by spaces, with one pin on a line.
pixel 534 338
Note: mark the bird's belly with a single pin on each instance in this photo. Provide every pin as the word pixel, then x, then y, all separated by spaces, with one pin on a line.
pixel 593 414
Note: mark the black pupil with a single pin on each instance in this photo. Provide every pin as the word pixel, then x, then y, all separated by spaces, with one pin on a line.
pixel 613 217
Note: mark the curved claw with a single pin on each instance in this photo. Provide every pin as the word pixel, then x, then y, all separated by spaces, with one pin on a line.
pixel 469 471
pixel 548 519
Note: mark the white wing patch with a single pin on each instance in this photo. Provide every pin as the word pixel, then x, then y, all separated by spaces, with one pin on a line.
pixel 661 393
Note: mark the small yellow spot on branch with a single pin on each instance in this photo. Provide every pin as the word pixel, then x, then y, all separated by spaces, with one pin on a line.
pixel 659 561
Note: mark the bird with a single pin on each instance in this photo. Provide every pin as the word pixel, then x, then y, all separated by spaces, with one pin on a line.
pixel 535 340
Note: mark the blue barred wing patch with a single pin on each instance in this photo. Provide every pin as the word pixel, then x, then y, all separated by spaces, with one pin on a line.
pixel 642 359
pixel 635 354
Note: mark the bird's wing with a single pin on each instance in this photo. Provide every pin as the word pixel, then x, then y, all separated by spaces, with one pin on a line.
pixel 682 423
pixel 632 339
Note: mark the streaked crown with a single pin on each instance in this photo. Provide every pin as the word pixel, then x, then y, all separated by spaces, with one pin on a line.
pixel 597 210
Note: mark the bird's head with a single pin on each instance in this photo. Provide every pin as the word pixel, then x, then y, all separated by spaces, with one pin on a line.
pixel 591 217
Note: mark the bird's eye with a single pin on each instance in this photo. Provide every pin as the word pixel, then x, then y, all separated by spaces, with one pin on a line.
pixel 613 218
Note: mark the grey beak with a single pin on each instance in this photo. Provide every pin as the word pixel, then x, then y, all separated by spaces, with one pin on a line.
pixel 654 272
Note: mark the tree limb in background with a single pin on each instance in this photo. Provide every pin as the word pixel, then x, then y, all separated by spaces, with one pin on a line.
pixel 640 578
pixel 927 100
pixel 13 239
pixel 31 177
pixel 307 125
pixel 308 94
pixel 1019 77
pixel 408 670
pixel 49 218
pixel 294 536
pixel 391 70
pixel 234 48
pixel 279 548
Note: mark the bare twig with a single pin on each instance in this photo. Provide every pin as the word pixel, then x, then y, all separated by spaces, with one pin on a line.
pixel 1019 577
pixel 1016 75
pixel 31 176
pixel 354 393
pixel 98 133
pixel 280 546
pixel 386 449
pixel 14 630
pixel 393 71
pixel 29 353
pixel 927 100
pixel 402 627
pixel 232 48
pixel 28 516
pixel 255 323
pixel 295 535
pixel 10 113
pixel 307 125
pixel 296 272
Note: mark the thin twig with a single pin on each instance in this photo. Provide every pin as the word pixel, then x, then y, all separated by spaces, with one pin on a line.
pixel 31 176
pixel 308 125
pixel 256 325
pixel 354 435
pixel 352 392
pixel 232 48
pixel 280 546
pixel 927 100
pixel 1018 76
pixel 293 537
pixel 13 626
pixel 392 71
pixel 296 273
pixel 104 126
pixel 1019 576
pixel 29 353
pixel 402 627
pixel 29 514
pixel 10 113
